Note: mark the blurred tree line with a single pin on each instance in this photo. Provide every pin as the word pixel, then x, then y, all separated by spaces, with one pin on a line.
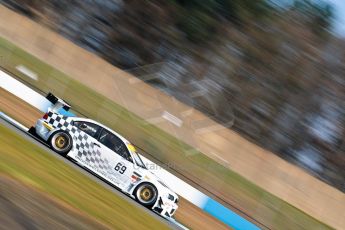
pixel 199 20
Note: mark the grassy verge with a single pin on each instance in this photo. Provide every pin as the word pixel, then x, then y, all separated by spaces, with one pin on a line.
pixel 229 186
pixel 27 162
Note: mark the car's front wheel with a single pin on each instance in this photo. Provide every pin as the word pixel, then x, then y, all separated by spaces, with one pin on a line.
pixel 146 194
pixel 61 142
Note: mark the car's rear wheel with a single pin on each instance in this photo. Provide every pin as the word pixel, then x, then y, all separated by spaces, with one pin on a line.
pixel 61 142
pixel 146 194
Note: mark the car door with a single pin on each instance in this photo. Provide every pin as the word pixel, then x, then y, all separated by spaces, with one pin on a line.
pixel 118 156
pixel 88 149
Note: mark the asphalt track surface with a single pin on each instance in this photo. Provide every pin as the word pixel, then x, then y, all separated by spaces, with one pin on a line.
pixel 93 177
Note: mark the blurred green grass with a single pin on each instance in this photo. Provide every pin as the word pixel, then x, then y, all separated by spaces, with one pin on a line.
pixel 31 164
pixel 217 179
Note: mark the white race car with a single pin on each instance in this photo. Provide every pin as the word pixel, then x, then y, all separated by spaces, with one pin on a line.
pixel 107 154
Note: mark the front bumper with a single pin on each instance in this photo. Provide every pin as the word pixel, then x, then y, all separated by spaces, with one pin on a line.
pixel 165 207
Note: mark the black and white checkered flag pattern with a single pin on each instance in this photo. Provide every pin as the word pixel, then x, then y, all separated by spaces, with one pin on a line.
pixel 87 151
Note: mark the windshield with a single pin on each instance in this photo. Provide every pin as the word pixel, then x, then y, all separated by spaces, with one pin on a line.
pixel 138 160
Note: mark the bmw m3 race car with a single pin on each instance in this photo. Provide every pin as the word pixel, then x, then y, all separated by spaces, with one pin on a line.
pixel 105 153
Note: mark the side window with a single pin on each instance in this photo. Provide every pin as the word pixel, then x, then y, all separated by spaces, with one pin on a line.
pixel 89 128
pixel 115 144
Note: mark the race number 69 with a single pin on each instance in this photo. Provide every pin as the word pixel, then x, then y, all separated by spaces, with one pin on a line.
pixel 120 168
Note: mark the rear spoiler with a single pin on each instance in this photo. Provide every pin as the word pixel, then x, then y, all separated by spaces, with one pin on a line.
pixel 58 103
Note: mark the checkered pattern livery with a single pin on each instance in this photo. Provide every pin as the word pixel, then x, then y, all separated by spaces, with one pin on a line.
pixel 87 152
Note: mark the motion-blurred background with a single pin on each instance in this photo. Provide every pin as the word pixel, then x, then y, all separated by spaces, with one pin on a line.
pixel 270 70
pixel 275 69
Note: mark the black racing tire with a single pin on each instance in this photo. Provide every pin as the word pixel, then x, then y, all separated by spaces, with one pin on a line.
pixel 61 142
pixel 146 194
